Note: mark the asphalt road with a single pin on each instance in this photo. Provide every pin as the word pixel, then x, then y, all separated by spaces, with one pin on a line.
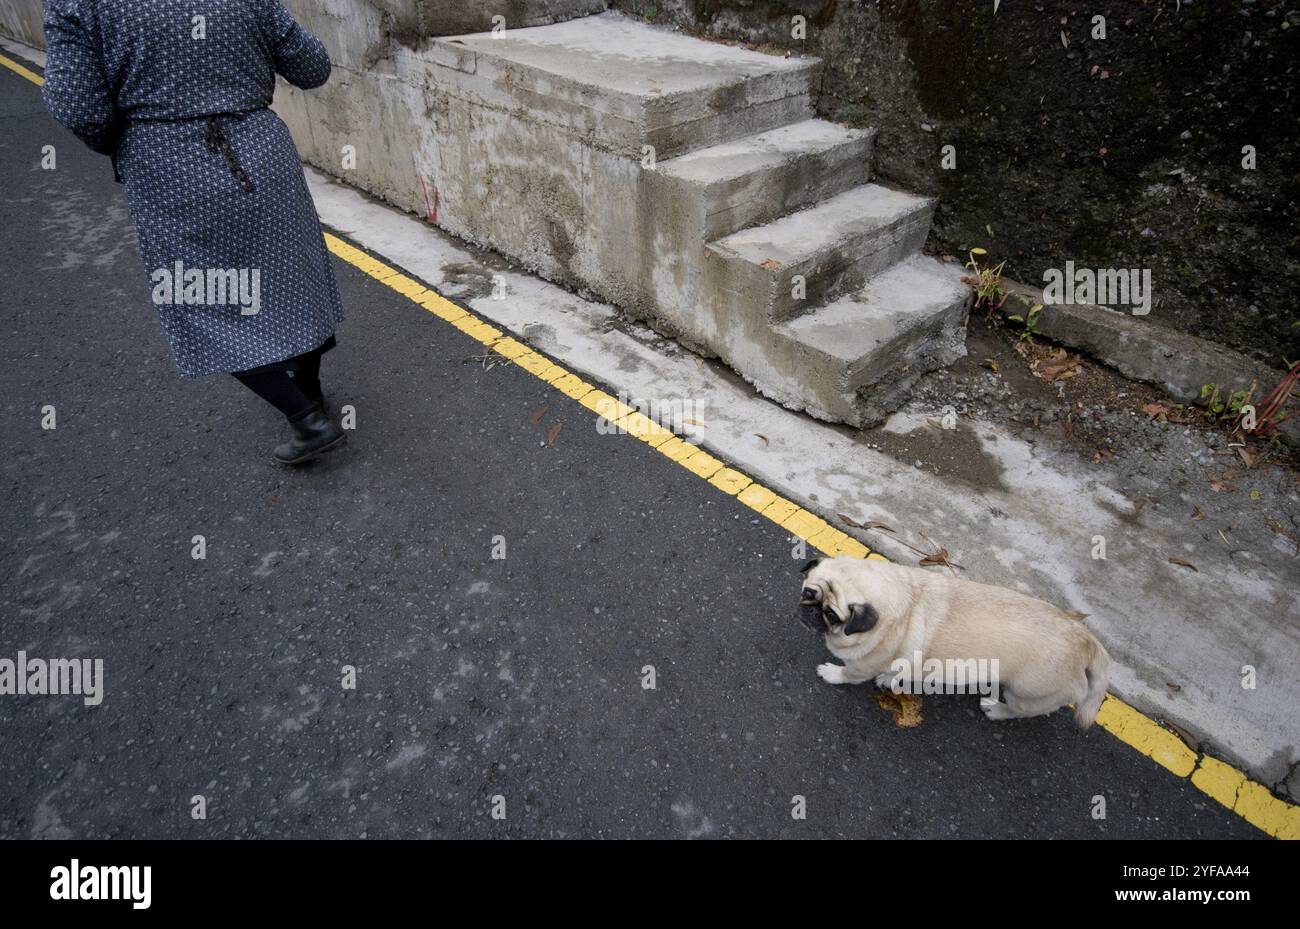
pixel 477 677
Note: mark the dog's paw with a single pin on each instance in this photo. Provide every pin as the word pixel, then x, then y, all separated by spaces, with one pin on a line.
pixel 995 709
pixel 885 680
pixel 831 673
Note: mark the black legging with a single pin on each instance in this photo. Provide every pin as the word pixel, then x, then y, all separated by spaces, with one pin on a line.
pixel 294 396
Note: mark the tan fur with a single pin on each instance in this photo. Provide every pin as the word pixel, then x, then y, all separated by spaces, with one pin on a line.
pixel 1046 657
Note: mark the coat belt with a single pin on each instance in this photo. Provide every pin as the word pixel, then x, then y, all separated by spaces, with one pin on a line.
pixel 215 139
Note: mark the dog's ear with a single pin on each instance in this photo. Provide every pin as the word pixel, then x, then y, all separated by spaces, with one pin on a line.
pixel 810 565
pixel 862 618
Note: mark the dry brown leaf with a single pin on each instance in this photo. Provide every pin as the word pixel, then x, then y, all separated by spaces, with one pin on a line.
pixel 553 433
pixel 1247 458
pixel 537 417
pixel 905 708
pixel 1156 411
pixel 1138 505
pixel 1278 528
pixel 1174 687
pixel 1190 740
pixel 772 264
pixel 1057 366
pixel 1198 513
pixel 1184 564
pixel 1281 530
pixel 938 558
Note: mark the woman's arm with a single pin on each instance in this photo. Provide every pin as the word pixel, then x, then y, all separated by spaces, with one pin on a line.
pixel 76 91
pixel 299 56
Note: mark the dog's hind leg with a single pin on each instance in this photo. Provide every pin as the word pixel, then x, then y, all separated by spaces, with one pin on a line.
pixel 995 710
pixel 1024 707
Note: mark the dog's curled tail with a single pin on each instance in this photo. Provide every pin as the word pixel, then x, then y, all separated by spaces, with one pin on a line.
pixel 1098 675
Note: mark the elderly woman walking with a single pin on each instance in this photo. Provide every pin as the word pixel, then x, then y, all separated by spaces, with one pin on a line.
pixel 177 93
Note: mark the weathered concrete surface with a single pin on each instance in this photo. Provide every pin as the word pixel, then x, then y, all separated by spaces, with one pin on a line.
pixel 835 247
pixel 765 176
pixel 21 20
pixel 870 346
pixel 1028 523
pixel 424 18
pixel 621 85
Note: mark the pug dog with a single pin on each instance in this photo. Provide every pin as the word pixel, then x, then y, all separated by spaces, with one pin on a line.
pixel 883 620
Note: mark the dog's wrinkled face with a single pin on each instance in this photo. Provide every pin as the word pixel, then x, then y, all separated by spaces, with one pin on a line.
pixel 822 607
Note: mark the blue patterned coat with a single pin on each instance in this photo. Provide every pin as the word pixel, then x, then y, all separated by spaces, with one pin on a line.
pixel 177 92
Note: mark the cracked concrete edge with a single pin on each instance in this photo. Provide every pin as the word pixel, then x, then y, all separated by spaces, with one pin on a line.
pixel 1177 362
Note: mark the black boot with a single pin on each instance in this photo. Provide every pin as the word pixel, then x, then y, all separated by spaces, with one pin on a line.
pixel 313 434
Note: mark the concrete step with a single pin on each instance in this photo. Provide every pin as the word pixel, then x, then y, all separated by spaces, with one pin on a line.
pixel 835 247
pixel 620 84
pixel 450 17
pixel 763 177
pixel 856 358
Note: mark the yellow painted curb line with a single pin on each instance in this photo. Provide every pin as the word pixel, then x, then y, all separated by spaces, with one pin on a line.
pixel 20 70
pixel 1251 801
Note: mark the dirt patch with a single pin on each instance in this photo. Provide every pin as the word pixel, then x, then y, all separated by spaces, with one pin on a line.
pixel 954 453
pixel 1243 494
pixel 468 280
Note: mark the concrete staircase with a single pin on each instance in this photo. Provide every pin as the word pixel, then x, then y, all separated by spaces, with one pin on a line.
pixel 689 183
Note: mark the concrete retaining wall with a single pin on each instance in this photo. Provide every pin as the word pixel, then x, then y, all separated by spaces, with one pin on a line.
pixel 21 20
pixel 376 124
